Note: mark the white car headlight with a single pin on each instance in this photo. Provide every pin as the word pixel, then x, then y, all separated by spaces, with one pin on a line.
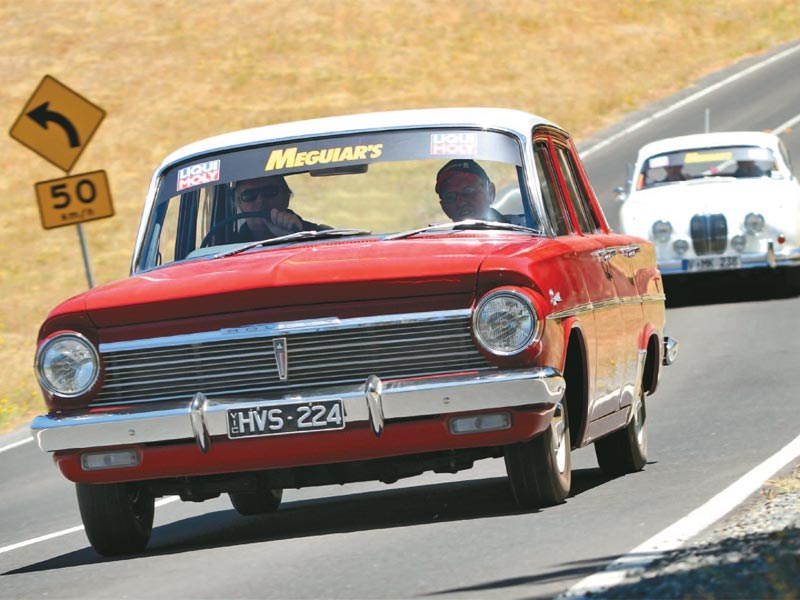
pixel 662 230
pixel 739 243
pixel 505 322
pixel 680 247
pixel 67 365
pixel 753 223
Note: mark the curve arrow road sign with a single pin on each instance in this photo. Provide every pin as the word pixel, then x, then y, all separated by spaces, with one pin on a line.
pixel 42 115
pixel 75 120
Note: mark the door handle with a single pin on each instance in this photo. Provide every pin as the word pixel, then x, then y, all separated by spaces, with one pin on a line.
pixel 605 254
pixel 630 251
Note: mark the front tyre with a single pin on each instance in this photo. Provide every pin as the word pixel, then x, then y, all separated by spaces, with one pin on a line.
pixel 625 451
pixel 117 517
pixel 540 470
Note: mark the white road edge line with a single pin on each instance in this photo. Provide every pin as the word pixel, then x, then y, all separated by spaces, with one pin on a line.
pixel 50 536
pixel 15 444
pixel 790 123
pixel 689 99
pixel 680 532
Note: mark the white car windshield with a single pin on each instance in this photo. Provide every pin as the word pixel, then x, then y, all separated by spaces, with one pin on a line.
pixel 376 183
pixel 730 161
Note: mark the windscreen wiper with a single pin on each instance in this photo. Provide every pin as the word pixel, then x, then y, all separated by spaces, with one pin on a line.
pixel 298 236
pixel 469 224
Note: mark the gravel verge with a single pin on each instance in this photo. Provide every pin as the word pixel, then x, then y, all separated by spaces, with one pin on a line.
pixel 753 552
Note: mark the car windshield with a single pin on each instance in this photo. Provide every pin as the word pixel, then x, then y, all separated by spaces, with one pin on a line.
pixel 375 184
pixel 699 163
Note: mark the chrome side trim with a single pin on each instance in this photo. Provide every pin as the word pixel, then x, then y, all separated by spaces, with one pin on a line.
pixel 571 312
pixel 653 298
pixel 490 389
pixel 585 308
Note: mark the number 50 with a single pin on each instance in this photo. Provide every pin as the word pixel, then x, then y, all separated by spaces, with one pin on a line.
pixel 84 190
pixel 74 199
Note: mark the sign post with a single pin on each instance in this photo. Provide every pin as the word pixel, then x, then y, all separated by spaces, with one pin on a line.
pixel 57 123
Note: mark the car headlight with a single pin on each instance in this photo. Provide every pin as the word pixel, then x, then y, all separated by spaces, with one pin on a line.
pixel 753 223
pixel 680 247
pixel 505 322
pixel 739 243
pixel 662 230
pixel 67 365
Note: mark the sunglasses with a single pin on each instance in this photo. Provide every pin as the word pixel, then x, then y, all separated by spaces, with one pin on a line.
pixel 468 193
pixel 268 191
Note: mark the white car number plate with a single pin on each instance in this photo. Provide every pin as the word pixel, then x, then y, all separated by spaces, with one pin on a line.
pixel 293 417
pixel 712 263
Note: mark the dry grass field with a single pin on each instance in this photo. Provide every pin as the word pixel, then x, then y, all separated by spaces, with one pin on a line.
pixel 168 73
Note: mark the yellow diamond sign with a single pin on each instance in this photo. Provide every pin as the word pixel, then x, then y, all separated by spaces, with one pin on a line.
pixel 57 123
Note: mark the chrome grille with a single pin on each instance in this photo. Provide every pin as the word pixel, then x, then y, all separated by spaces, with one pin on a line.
pixel 342 353
pixel 709 234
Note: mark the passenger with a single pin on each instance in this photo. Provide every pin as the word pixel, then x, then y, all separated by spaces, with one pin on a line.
pixel 748 168
pixel 269 196
pixel 674 173
pixel 466 192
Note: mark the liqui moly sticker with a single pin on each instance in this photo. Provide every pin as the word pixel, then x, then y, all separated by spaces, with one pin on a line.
pixel 454 143
pixel 206 172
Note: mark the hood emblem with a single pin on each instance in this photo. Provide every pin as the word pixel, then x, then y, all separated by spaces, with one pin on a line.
pixel 555 298
pixel 281 358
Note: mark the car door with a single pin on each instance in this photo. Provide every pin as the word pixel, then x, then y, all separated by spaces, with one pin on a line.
pixel 622 257
pixel 593 255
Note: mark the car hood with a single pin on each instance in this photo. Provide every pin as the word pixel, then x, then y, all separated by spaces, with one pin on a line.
pixel 317 273
pixel 776 201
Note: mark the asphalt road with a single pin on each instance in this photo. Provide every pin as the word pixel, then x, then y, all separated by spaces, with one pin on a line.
pixel 729 403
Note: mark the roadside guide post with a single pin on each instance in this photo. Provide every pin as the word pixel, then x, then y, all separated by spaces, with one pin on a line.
pixel 57 123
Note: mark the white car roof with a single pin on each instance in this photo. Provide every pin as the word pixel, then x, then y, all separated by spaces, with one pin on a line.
pixel 709 140
pixel 514 121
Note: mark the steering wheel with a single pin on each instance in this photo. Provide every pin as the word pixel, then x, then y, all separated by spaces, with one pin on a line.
pixel 220 224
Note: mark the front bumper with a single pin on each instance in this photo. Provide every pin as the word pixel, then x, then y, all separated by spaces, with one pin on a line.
pixel 767 260
pixel 375 402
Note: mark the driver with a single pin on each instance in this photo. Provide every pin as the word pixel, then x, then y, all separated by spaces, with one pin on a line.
pixel 269 196
pixel 466 192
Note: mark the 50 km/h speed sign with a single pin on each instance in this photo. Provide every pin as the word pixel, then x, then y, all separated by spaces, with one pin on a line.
pixel 75 199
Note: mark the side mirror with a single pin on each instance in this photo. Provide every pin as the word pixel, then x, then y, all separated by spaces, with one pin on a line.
pixel 620 194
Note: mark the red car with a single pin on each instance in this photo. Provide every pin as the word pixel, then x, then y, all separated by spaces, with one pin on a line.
pixel 355 298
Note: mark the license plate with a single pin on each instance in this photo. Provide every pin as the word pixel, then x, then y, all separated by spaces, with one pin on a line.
pixel 290 417
pixel 712 263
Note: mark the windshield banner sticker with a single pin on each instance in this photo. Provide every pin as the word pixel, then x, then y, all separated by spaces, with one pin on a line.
pixel 317 156
pixel 454 143
pixel 290 158
pixel 206 172
pixel 699 157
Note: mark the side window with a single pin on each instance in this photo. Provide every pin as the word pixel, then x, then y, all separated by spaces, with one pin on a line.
pixel 587 220
pixel 550 197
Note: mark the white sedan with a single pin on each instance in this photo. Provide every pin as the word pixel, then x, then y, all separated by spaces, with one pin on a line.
pixel 716 202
